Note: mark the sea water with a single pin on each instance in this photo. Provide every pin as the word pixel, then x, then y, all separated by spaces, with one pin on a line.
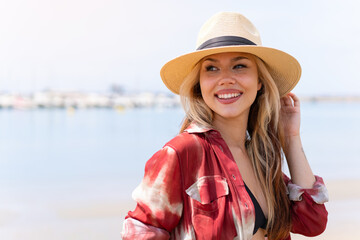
pixel 57 148
pixel 69 174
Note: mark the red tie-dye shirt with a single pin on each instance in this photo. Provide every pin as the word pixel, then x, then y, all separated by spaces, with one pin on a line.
pixel 192 189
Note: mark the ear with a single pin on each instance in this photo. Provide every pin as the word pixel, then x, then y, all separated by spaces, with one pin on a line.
pixel 259 85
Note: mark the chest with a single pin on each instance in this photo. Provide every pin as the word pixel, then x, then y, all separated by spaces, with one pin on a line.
pixel 247 172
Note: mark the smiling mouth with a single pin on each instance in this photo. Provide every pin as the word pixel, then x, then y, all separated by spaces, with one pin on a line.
pixel 228 95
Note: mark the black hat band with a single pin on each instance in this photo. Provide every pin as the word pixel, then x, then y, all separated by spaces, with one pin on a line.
pixel 225 41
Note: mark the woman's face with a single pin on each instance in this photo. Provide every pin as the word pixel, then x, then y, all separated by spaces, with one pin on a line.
pixel 229 83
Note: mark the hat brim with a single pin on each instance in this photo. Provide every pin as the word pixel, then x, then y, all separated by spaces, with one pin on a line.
pixel 284 68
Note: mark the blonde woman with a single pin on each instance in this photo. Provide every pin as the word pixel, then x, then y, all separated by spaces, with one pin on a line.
pixel 221 177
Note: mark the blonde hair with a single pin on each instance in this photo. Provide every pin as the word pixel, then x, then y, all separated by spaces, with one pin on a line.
pixel 264 143
pixel 191 99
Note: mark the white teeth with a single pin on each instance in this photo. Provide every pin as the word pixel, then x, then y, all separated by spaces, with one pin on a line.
pixel 228 95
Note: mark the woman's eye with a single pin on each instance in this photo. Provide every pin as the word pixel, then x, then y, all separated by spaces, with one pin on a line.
pixel 211 68
pixel 239 66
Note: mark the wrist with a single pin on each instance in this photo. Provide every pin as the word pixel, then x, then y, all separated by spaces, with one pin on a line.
pixel 292 142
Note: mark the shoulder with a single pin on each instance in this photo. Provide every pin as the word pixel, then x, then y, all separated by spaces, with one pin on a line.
pixel 187 142
pixel 193 142
pixel 181 148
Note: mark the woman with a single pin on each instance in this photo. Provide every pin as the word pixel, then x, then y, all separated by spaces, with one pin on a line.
pixel 221 177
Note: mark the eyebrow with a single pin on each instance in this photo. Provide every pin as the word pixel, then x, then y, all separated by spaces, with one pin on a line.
pixel 232 60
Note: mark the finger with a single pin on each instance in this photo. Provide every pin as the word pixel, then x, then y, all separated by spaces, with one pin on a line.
pixel 295 99
pixel 287 100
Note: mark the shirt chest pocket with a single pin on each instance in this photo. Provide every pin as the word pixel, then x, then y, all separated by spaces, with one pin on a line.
pixel 208 193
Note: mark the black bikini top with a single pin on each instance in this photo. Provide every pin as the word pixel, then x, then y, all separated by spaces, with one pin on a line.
pixel 260 220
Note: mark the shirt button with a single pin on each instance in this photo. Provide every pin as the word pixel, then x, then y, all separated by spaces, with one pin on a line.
pixel 246 205
pixel 233 176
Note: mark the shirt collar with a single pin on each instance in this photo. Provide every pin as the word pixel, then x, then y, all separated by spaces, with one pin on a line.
pixel 197 128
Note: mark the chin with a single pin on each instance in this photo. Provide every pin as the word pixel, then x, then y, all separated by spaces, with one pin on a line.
pixel 229 115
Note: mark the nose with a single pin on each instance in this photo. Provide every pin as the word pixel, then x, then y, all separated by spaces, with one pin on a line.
pixel 226 78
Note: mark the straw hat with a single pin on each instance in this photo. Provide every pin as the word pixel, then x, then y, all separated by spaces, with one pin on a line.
pixel 232 32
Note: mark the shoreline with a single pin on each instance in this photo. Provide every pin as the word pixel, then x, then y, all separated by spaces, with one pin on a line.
pixel 53 99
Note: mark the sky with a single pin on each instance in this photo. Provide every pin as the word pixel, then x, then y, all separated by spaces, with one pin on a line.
pixel 88 45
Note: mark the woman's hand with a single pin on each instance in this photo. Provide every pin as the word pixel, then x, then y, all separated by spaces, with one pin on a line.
pixel 290 115
pixel 299 167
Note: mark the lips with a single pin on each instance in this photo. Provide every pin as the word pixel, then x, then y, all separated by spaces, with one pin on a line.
pixel 228 96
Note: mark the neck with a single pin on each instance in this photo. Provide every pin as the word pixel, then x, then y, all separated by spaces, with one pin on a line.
pixel 232 130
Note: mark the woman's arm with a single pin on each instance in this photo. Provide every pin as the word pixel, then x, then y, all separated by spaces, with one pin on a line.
pixel 308 212
pixel 306 192
pixel 300 171
pixel 159 200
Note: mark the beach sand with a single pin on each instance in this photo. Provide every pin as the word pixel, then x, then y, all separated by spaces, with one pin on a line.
pixel 344 211
pixel 102 218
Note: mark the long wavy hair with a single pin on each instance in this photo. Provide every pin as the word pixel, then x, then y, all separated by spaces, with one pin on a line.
pixel 264 142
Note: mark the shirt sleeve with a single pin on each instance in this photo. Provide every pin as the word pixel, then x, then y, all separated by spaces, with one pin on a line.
pixel 159 200
pixel 308 212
